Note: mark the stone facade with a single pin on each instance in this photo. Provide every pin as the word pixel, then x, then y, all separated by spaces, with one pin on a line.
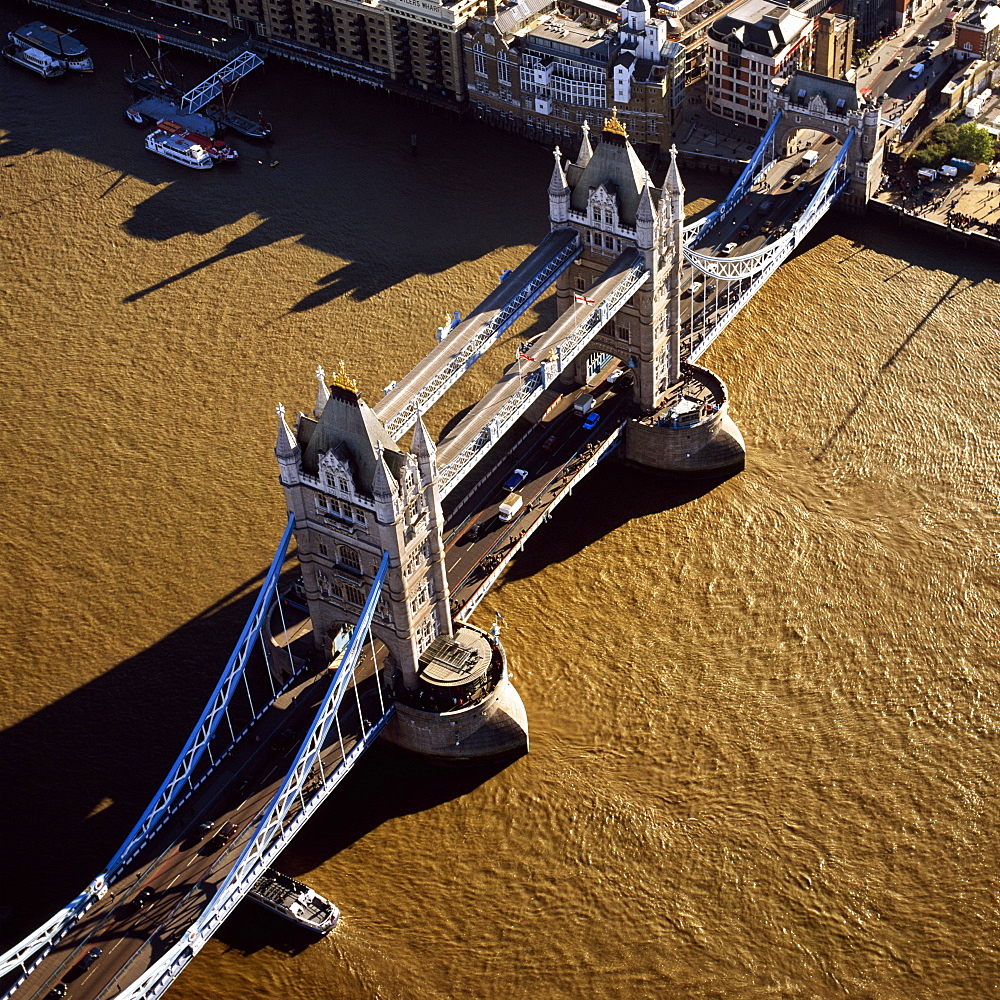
pixel 546 74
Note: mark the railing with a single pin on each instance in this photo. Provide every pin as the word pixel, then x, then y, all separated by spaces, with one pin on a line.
pixel 459 362
pixel 766 262
pixel 275 829
pixel 178 781
pixel 209 89
pixel 533 383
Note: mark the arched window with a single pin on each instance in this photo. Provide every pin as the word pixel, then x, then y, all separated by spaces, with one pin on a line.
pixel 479 58
pixel 503 68
pixel 349 557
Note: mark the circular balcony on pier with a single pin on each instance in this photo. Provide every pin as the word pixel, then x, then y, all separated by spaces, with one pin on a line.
pixel 455 672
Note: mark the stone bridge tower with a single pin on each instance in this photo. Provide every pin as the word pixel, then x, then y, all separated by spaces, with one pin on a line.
pixel 607 196
pixel 810 101
pixel 355 495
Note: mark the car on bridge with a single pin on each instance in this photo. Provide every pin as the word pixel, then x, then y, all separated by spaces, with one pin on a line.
pixel 144 897
pixel 514 480
pixel 88 960
pixel 728 248
pixel 57 991
pixel 767 225
pixel 591 422
pixel 549 443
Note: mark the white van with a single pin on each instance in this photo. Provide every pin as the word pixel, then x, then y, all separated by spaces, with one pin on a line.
pixel 917 69
pixel 511 507
pixel 584 404
pixel 810 157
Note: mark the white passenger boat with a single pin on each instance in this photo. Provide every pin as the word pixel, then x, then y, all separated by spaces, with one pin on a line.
pixel 295 901
pixel 34 59
pixel 62 45
pixel 180 149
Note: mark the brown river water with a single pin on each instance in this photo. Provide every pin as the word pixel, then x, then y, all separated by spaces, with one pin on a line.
pixel 764 718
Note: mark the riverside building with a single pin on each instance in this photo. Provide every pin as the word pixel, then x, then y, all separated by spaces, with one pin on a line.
pixel 545 73
pixel 747 50
pixel 413 43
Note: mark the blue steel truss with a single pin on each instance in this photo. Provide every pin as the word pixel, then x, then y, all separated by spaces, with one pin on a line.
pixel 462 359
pixel 280 821
pixel 533 383
pixel 752 270
pixel 175 787
pixel 751 172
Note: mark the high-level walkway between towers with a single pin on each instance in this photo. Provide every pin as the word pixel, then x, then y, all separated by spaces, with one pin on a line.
pixel 431 378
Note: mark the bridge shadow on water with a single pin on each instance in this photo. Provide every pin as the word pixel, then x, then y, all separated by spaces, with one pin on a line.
pixel 610 496
pixel 341 177
pixel 78 773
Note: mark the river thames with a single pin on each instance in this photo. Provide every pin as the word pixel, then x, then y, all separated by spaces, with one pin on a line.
pixel 764 718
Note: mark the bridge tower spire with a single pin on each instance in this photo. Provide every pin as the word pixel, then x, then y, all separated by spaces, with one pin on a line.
pixel 286 450
pixel 558 193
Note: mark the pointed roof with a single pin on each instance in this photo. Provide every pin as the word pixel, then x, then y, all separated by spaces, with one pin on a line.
pixel 586 150
pixel 350 429
pixel 557 185
pixel 286 445
pixel 421 443
pixel 616 166
pixel 672 183
pixel 322 392
pixel 646 211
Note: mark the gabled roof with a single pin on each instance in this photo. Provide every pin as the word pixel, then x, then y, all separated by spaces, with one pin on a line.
pixel 350 429
pixel 616 166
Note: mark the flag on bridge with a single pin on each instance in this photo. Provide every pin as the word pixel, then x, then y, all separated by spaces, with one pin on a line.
pixel 521 356
pixel 585 300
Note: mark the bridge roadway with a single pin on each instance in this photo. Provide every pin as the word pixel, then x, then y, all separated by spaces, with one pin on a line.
pixel 545 347
pixel 778 198
pixel 444 365
pixel 183 867
pixel 552 451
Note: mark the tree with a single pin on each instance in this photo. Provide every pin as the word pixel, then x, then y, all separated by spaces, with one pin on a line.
pixel 974 143
pixel 946 134
pixel 931 155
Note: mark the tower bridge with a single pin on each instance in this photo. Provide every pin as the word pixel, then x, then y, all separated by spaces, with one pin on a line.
pixel 397 549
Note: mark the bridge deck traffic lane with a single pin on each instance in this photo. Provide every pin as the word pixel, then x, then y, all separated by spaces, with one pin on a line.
pixel 183 868
pixel 467 563
pixel 494 400
pixel 409 387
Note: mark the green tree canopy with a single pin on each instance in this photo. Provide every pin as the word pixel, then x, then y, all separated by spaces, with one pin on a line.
pixel 973 143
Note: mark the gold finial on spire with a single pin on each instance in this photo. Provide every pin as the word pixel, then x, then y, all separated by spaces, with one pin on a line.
pixel 341 378
pixel 614 126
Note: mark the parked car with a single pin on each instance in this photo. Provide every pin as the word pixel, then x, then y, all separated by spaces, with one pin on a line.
pixel 591 422
pixel 88 960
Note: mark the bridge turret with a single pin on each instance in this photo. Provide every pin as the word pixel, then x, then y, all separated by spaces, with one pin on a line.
pixel 286 450
pixel 586 150
pixel 558 193
pixel 645 221
pixel 322 392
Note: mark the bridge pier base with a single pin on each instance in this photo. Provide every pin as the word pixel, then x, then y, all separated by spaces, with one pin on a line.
pixel 462 713
pixel 691 433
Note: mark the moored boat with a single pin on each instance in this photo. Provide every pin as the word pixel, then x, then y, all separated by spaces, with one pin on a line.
pixel 34 59
pixel 295 901
pixel 61 45
pixel 220 151
pixel 179 149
